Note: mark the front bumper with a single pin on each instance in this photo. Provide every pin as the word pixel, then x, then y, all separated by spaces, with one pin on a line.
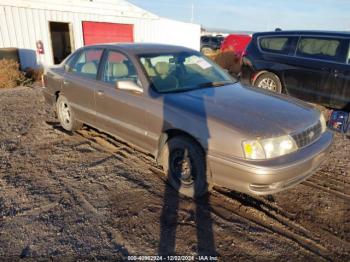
pixel 263 177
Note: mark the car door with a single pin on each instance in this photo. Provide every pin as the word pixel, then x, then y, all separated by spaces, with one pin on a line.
pixel 80 81
pixel 340 98
pixel 121 112
pixel 311 77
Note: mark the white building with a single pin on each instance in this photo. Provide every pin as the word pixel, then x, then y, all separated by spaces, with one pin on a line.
pixel 45 31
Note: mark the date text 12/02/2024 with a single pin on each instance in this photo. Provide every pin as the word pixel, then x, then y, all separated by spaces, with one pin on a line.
pixel 172 258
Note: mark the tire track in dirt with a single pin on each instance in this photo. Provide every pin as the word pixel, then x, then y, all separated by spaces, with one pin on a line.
pixel 274 221
pixel 330 189
pixel 123 246
pixel 342 183
pixel 268 216
pixel 77 196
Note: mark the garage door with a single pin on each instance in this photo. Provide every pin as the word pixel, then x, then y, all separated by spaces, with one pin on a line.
pixel 97 32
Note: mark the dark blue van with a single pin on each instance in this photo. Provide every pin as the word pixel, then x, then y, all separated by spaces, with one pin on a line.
pixel 311 65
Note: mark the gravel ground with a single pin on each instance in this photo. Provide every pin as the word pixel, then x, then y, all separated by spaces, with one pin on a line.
pixel 86 196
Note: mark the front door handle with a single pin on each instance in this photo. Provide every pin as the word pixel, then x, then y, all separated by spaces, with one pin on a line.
pixel 65 82
pixel 100 92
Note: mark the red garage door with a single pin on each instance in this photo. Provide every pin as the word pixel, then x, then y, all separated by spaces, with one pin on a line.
pixel 97 32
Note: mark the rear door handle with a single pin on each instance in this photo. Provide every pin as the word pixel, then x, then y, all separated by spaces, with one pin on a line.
pixel 100 92
pixel 65 82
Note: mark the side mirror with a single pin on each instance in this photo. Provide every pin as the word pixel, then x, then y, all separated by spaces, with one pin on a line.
pixel 129 86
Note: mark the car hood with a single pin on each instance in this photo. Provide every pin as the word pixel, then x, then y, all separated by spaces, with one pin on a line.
pixel 255 112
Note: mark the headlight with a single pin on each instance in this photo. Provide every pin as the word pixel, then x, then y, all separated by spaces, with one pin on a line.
pixel 323 122
pixel 269 148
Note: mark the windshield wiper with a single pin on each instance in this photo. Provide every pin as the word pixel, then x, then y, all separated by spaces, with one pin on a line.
pixel 215 83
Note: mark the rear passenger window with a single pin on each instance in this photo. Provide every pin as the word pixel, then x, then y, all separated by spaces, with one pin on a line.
pixel 318 48
pixel 87 63
pixel 275 44
pixel 118 67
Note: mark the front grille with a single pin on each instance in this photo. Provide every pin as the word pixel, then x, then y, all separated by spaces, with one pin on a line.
pixel 308 136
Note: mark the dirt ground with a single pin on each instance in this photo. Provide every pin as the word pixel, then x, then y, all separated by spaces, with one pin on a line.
pixel 86 196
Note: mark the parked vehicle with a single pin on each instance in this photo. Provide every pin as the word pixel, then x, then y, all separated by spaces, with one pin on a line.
pixel 339 121
pixel 200 124
pixel 209 43
pixel 235 43
pixel 310 65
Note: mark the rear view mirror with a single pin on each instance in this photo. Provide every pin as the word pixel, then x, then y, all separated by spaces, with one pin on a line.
pixel 129 86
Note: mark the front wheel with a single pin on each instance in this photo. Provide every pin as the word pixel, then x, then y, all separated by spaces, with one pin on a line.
pixel 184 162
pixel 66 115
pixel 269 81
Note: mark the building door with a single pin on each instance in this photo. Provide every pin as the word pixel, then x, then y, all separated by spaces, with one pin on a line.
pixel 60 41
pixel 98 32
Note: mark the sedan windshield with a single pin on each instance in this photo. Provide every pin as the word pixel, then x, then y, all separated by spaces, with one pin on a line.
pixel 183 71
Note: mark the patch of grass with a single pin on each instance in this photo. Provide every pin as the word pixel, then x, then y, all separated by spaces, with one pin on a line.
pixel 10 75
pixel 34 74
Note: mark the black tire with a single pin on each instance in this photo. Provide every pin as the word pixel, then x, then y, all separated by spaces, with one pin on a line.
pixel 65 115
pixel 194 183
pixel 269 81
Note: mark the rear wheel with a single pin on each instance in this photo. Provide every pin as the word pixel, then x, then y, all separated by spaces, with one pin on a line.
pixel 66 115
pixel 185 164
pixel 269 81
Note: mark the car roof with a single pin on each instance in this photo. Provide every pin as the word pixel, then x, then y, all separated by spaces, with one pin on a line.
pixel 143 48
pixel 306 32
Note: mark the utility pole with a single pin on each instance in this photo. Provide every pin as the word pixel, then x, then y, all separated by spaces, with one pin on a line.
pixel 192 12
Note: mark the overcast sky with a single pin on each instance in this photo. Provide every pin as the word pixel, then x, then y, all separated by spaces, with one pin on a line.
pixel 256 15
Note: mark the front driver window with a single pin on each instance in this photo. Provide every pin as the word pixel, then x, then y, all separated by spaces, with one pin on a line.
pixel 118 67
pixel 87 63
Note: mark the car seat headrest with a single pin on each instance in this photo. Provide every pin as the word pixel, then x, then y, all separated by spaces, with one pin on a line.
pixel 89 68
pixel 162 69
pixel 119 70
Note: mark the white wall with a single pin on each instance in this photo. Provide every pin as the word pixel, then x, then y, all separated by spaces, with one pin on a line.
pixel 168 31
pixel 22 23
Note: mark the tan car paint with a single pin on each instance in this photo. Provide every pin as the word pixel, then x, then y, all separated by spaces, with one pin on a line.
pixel 218 118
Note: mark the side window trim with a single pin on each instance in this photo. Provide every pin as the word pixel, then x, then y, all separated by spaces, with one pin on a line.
pixel 341 53
pixel 337 58
pixel 71 61
pixel 101 66
pixel 77 57
pixel 104 60
pixel 295 44
pixel 291 47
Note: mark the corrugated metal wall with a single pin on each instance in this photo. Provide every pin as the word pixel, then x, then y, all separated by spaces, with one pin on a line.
pixel 22 26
